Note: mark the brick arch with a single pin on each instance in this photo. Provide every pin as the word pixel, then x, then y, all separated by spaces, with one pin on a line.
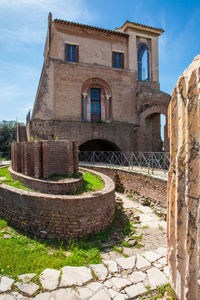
pixel 105 99
pixel 144 117
pixel 112 143
pixel 160 109
pixel 96 81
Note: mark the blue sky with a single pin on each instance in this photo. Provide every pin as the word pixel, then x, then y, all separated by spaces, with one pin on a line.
pixel 23 26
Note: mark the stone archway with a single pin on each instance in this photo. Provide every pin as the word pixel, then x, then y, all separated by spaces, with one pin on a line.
pixel 104 99
pixel 98 145
pixel 149 130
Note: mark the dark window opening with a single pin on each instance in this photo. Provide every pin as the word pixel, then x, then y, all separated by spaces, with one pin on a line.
pixel 143 62
pixel 95 95
pixel 118 60
pixel 72 53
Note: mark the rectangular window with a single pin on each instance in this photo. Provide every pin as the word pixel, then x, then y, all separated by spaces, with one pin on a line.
pixel 95 95
pixel 118 60
pixel 72 53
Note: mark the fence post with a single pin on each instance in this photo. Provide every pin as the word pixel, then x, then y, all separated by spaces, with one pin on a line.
pixel 93 158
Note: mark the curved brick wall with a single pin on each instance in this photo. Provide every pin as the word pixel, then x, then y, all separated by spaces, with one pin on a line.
pixel 53 216
pixel 146 185
pixel 72 185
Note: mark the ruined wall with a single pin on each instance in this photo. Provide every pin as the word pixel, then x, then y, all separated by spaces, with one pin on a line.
pixel 44 158
pixel 58 187
pixel 184 185
pixel 57 216
pixel 145 185
pixel 123 135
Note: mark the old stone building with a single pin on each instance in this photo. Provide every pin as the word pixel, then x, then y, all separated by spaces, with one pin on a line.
pixel 100 87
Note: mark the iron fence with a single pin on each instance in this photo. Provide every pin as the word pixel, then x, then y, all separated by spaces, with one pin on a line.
pixel 153 160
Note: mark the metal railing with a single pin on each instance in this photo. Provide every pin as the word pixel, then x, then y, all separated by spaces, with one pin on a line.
pixel 150 160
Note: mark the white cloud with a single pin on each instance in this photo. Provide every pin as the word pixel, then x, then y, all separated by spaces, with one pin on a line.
pixel 25 21
pixel 66 9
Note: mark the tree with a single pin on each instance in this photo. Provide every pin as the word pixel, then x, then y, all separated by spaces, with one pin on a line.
pixel 7 136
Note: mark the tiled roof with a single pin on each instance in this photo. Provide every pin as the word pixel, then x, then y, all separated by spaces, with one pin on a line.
pixel 145 26
pixel 90 27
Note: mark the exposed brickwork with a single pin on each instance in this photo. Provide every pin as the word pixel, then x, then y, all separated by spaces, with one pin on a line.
pixel 38 160
pixel 53 216
pixel 122 135
pixel 42 159
pixel 16 157
pixel 148 186
pixel 65 186
pixel 29 158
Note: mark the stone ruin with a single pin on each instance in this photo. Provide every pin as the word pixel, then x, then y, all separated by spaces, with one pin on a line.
pixel 45 158
pixel 54 209
pixel 184 185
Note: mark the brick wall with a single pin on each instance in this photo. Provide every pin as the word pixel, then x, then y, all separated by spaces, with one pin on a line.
pixel 44 158
pixel 16 157
pixel 146 185
pixel 29 158
pixel 63 187
pixel 53 216
pixel 122 135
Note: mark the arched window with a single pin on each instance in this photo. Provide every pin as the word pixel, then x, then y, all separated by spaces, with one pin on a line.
pixel 143 62
pixel 96 100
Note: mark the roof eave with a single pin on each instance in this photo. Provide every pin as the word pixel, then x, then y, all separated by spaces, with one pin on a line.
pixel 128 24
pixel 89 27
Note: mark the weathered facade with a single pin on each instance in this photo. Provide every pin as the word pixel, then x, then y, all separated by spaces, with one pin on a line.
pixel 100 87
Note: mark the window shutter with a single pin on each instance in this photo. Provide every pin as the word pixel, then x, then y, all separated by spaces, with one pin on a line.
pixel 77 53
pixel 113 59
pixel 122 60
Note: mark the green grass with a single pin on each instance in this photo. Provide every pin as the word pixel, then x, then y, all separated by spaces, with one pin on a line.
pixel 22 254
pixel 62 176
pixel 164 290
pixel 91 182
pixel 145 227
pixel 9 181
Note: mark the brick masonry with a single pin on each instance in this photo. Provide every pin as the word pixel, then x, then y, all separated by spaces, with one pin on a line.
pixel 66 186
pixel 148 186
pixel 62 85
pixel 53 216
pixel 44 158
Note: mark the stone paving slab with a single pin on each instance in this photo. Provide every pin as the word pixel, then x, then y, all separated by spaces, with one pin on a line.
pixel 136 289
pixel 126 263
pixel 49 279
pixel 26 277
pixel 75 276
pixel 78 283
pixel 27 288
pixel 5 284
pixel 156 277
pixel 141 262
pixel 100 270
